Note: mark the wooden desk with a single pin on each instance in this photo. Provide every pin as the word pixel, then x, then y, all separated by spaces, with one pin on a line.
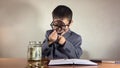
pixel 22 63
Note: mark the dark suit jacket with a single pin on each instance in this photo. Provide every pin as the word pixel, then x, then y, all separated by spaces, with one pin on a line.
pixel 71 48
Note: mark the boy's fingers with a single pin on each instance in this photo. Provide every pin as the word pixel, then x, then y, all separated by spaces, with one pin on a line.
pixel 54 31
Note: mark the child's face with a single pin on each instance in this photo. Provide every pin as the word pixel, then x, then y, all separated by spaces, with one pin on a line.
pixel 61 25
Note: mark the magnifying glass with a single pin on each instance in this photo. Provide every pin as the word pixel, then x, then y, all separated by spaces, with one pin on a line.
pixel 59 26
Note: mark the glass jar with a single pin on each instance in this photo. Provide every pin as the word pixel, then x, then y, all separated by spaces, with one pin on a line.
pixel 34 51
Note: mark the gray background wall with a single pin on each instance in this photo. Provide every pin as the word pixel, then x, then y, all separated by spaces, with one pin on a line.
pixel 97 21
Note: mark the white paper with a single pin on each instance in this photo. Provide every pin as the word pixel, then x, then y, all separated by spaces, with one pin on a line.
pixel 71 61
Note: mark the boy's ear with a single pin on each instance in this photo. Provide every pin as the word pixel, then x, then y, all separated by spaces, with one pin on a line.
pixel 71 22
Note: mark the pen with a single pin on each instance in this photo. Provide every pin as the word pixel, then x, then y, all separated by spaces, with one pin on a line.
pixel 105 61
pixel 97 61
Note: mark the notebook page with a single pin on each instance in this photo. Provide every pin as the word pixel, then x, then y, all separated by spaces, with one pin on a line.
pixel 60 62
pixel 83 62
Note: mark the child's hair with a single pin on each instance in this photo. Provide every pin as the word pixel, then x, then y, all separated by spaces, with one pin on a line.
pixel 62 11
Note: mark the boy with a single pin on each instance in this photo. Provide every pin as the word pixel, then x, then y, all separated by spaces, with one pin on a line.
pixel 61 42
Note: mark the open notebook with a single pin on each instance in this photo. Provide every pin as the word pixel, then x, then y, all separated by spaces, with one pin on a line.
pixel 71 61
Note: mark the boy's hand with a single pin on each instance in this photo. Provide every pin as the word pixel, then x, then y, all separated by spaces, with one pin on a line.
pixel 61 39
pixel 53 37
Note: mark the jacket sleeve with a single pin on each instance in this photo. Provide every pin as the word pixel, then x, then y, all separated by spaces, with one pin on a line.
pixel 73 50
pixel 46 49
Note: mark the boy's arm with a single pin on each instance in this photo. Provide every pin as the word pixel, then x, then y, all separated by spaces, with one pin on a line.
pixel 73 50
pixel 46 48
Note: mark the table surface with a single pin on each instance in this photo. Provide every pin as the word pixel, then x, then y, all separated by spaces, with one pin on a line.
pixel 23 63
